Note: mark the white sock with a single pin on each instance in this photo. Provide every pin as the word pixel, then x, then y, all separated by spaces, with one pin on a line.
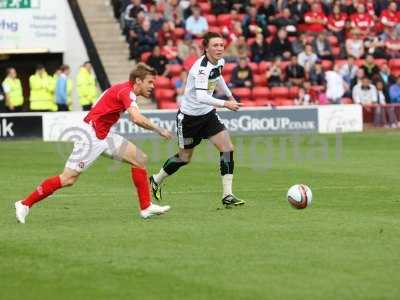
pixel 227 184
pixel 159 178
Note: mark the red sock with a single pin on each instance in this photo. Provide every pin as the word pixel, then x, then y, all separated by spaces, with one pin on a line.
pixel 139 177
pixel 45 189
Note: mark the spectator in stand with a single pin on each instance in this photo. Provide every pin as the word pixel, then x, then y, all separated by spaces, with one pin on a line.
pixel 315 19
pixel 322 46
pixel 194 54
pixel 375 45
pixel 371 70
pixel 2 100
pixel 299 44
pixel 355 45
pixel 349 70
pixel 307 58
pixel 173 13
pixel 196 24
pixel 134 30
pixel 275 75
pixel 180 86
pixel 64 89
pixel 390 17
pixel 259 49
pixel 240 5
pixel 358 79
pixel 237 48
pixel 171 52
pixel 365 93
pixel 156 19
pixel 298 9
pixel 394 91
pixel 294 72
pixel 303 98
pixel 132 11
pixel 381 110
pixel 146 40
pixel 393 45
pixel 166 32
pixel 188 11
pixel 362 21
pixel 285 20
pixel 86 86
pixel 242 75
pixel 12 92
pixel 337 23
pixel 386 78
pixel 280 45
pixel 335 85
pixel 268 10
pixel 253 23
pixel 317 74
pixel 158 62
pixel 219 7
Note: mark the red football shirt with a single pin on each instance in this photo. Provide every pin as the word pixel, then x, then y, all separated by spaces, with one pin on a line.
pixel 362 21
pixel 318 26
pixel 338 22
pixel 390 18
pixel 108 108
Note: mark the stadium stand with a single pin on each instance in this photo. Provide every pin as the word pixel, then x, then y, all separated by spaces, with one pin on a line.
pixel 334 30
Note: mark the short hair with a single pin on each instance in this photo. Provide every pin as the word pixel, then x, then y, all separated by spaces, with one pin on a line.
pixel 208 36
pixel 39 67
pixel 8 70
pixel 64 67
pixel 141 71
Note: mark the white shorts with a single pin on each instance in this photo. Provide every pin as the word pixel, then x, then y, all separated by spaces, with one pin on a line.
pixel 87 147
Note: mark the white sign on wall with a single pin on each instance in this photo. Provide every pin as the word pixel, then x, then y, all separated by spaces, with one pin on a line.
pixel 33 24
pixel 343 118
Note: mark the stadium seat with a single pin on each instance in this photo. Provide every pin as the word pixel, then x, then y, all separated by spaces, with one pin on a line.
pixel 164 95
pixel 263 67
pixel 317 88
pixel 174 80
pixel 380 61
pixel 145 56
pixel 223 19
pixel 394 63
pixel 259 92
pixel 263 102
pixel 175 69
pixel 272 29
pixel 168 105
pixel 217 29
pixel 327 64
pixel 279 92
pixel 212 20
pixel 254 67
pixel 260 80
pixel 284 102
pixel 227 77
pixel 179 32
pixel 163 82
pixel 243 93
pixel 250 41
pixel 205 8
pixel 336 51
pixel 227 69
pixel 293 92
pixel 247 103
pixel 333 40
pixel 340 62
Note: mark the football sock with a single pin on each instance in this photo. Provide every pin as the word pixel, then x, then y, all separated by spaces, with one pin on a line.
pixel 170 167
pixel 45 189
pixel 141 182
pixel 160 176
pixel 226 168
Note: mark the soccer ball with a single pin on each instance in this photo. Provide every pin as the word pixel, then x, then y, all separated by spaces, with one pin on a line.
pixel 299 196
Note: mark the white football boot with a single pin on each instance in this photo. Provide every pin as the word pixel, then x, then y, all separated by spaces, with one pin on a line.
pixel 153 210
pixel 21 211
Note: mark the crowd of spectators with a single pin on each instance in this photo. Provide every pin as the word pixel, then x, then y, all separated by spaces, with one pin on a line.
pixel 330 51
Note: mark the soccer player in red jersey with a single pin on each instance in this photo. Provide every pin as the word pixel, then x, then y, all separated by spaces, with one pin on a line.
pixel 97 139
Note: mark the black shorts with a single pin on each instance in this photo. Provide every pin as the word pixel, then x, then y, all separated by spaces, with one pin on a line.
pixel 192 129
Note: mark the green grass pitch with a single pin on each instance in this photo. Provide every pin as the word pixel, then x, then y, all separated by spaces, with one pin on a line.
pixel 87 242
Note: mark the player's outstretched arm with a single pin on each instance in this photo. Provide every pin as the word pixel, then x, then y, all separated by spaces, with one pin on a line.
pixel 144 122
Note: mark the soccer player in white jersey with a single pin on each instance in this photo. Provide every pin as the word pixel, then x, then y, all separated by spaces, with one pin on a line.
pixel 197 119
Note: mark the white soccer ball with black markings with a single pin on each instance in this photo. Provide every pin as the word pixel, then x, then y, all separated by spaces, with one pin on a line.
pixel 299 196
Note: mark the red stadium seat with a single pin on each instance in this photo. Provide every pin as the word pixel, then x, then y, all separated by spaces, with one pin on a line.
pixel 259 92
pixel 224 19
pixel 254 67
pixel 279 92
pixel 272 29
pixel 164 95
pixel 263 102
pixel 394 63
pixel 163 82
pixel 175 69
pixel 284 102
pixel 263 67
pixel 247 103
pixel 227 77
pixel 359 62
pixel 227 69
pixel 250 41
pixel 174 80
pixel 205 7
pixel 333 40
pixel 243 93
pixel 327 64
pixel 145 56
pixel 317 88
pixel 216 29
pixel 340 62
pixel 336 51
pixel 179 32
pixel 167 105
pixel 293 92
pixel 212 20
pixel 380 61
pixel 259 80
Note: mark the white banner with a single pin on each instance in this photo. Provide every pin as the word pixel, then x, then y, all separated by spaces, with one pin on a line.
pixel 33 24
pixel 343 118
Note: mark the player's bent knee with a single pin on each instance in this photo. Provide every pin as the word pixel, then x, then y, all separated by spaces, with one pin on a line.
pixel 68 180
